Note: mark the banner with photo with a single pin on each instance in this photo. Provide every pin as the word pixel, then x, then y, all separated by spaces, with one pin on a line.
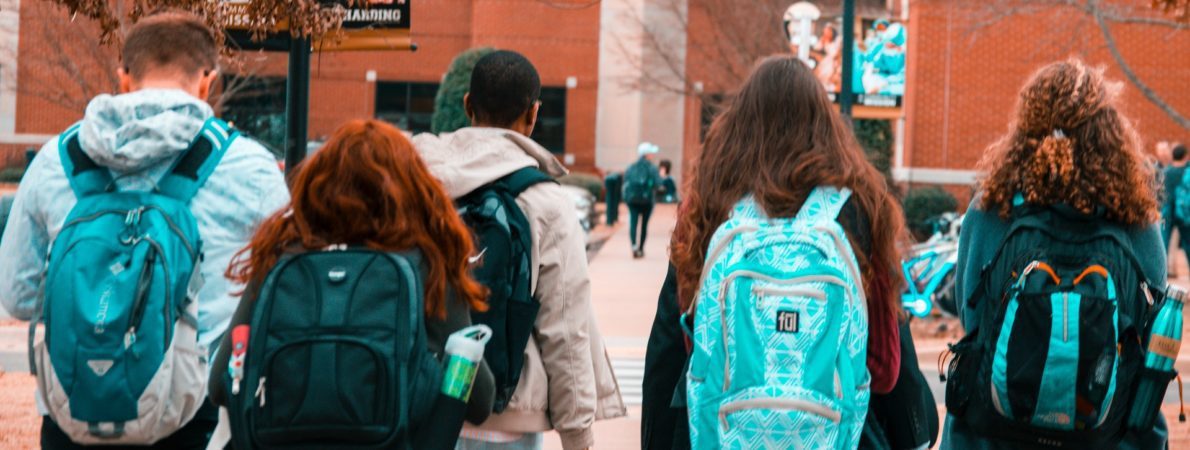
pixel 367 25
pixel 878 74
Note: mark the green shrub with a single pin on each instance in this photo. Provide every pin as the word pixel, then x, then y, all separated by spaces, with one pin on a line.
pixel 448 104
pixel 591 183
pixel 876 137
pixel 11 174
pixel 921 204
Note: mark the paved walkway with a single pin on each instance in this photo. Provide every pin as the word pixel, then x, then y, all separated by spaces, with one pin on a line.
pixel 624 294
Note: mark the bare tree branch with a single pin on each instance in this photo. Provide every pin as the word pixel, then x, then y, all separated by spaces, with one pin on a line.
pixel 1090 12
pixel 1093 8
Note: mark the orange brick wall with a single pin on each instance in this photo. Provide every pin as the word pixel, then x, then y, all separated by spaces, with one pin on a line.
pixel 560 42
pixel 964 86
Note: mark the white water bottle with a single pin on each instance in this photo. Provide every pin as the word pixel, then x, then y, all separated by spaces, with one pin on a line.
pixel 464 351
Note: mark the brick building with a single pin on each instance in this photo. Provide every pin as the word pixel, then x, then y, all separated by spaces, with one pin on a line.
pixel 967 59
pixel 964 78
pixel 560 36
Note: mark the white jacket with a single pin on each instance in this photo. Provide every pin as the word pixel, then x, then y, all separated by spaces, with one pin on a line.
pixel 567 383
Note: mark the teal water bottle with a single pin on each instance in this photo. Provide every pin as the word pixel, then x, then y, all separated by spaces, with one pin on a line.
pixel 464 350
pixel 1165 341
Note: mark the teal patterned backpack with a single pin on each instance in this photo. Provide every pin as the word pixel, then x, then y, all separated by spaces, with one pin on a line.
pixel 780 333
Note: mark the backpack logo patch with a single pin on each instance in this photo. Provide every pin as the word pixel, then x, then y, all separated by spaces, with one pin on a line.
pixel 100 366
pixel 787 321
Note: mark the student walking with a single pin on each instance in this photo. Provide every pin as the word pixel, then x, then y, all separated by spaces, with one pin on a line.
pixel 1172 217
pixel 558 375
pixel 790 273
pixel 144 202
pixel 328 268
pixel 1060 261
pixel 641 181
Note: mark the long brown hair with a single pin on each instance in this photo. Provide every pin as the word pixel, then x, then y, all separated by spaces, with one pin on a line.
pixel 1070 145
pixel 778 139
pixel 367 186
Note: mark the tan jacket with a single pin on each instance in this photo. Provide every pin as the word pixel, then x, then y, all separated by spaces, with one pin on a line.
pixel 567 383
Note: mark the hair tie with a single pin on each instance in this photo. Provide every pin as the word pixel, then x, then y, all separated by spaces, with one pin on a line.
pixel 1059 134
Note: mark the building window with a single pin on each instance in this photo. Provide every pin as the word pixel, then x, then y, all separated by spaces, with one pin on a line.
pixel 550 131
pixel 712 104
pixel 408 106
pixel 256 106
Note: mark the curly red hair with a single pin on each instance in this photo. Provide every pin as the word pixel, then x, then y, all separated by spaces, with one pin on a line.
pixel 367 186
pixel 1069 144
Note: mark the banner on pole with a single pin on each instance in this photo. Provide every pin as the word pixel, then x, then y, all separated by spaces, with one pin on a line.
pixel 878 80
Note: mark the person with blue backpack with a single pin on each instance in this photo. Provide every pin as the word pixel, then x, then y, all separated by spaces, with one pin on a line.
pixel 1061 270
pixel 118 240
pixel 787 266
pixel 641 182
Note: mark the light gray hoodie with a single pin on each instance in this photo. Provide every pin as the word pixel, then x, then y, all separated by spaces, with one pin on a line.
pixel 138 136
pixel 567 383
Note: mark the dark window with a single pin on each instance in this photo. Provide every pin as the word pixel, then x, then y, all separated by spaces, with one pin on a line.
pixel 711 105
pixel 256 106
pixel 550 131
pixel 408 106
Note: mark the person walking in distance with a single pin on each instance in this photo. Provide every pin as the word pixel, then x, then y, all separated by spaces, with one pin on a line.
pixel 1173 218
pixel 144 202
pixel 552 371
pixel 641 181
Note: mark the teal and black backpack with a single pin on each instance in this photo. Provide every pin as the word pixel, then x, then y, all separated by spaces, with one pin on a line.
pixel 1055 358
pixel 780 333
pixel 639 183
pixel 504 240
pixel 120 362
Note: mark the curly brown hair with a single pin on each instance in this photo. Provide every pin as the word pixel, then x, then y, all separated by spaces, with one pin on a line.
pixel 1069 144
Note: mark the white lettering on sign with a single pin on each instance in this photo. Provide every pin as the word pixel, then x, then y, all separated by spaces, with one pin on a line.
pixel 373 15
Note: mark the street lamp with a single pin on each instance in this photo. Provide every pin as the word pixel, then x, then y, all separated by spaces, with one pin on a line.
pixel 799 28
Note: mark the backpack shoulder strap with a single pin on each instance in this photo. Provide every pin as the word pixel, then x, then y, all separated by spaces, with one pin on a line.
pixel 86 177
pixel 196 165
pixel 523 179
pixel 823 203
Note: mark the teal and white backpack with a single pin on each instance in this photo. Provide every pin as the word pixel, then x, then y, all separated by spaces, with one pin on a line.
pixel 780 333
pixel 120 361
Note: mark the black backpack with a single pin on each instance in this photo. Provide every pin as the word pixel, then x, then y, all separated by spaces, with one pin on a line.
pixel 503 241
pixel 337 355
pixel 1063 310
pixel 639 186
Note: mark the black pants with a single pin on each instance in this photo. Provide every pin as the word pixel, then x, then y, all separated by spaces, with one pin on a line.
pixel 193 436
pixel 639 213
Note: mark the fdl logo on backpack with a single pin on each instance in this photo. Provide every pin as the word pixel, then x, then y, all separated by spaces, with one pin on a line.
pixel 120 362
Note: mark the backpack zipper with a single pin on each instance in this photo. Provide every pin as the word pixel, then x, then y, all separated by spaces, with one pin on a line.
pixel 784 404
pixel 260 390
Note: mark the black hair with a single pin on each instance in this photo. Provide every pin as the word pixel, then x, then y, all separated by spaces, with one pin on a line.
pixel 666 164
pixel 504 85
pixel 1179 152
